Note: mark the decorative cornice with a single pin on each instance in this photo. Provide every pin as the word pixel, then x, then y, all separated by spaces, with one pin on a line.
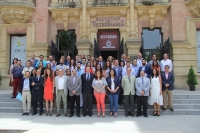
pixel 152 11
pixel 194 7
pixel 16 12
pixel 64 14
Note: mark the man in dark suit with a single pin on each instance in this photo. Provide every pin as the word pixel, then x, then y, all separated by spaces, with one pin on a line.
pixel 167 87
pixel 118 71
pixel 74 86
pixel 87 91
pixel 37 91
pixel 25 89
pixel 145 68
pixel 101 62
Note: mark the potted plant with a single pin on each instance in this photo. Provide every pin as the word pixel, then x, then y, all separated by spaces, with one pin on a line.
pixel 191 80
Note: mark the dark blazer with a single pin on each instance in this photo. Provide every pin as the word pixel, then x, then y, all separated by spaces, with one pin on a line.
pixel 117 84
pixel 22 84
pixel 102 64
pixel 87 85
pixel 147 70
pixel 38 84
pixel 119 72
pixel 169 81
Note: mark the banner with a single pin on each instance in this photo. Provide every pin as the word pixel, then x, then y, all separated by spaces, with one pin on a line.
pixel 108 40
pixel 198 51
pixel 18 48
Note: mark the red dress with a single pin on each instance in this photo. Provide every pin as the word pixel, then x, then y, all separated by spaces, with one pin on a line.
pixel 48 95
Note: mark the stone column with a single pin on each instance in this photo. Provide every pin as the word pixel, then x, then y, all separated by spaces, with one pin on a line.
pixel 133 44
pixel 84 20
pixel 132 33
pixel 84 44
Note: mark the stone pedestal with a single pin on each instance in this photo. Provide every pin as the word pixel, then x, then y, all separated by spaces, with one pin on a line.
pixel 133 47
pixel 84 47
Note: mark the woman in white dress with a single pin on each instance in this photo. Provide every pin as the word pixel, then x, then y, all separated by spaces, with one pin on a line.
pixel 156 98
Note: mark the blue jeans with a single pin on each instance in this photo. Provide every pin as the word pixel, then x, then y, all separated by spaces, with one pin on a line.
pixel 113 101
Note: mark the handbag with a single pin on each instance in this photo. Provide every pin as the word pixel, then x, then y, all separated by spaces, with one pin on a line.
pixel 10 83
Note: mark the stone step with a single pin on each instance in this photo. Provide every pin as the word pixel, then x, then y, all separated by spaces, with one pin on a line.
pixel 120 111
pixel 174 101
pixel 175 106
pixel 175 96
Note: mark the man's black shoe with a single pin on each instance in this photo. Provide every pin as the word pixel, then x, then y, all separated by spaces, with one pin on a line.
pixel 145 115
pixel 27 114
pixel 90 115
pixel 34 113
pixel 79 115
pixel 70 115
pixel 138 115
pixel 13 97
pixel 172 109
pixel 24 114
pixel 84 115
pixel 40 114
pixel 164 109
pixel 126 115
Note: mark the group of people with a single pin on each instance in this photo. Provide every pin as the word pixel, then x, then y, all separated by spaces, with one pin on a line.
pixel 79 80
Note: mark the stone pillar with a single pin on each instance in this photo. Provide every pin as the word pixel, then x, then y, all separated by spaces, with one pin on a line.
pixel 132 33
pixel 84 44
pixel 84 20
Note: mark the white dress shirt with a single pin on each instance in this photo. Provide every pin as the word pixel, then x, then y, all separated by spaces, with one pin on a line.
pixel 163 63
pixel 61 83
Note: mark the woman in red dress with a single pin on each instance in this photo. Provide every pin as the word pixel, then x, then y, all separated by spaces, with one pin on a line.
pixel 48 90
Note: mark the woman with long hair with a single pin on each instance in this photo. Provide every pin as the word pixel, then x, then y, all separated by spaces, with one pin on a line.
pixel 72 65
pixel 156 98
pixel 33 73
pixel 88 64
pixel 107 68
pixel 155 65
pixel 14 63
pixel 68 73
pixel 94 65
pixel 122 64
pixel 48 90
pixel 113 91
pixel 41 67
pixel 99 83
pixel 98 68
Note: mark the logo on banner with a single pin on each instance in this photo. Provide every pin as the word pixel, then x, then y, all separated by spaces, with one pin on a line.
pixel 19 44
pixel 108 44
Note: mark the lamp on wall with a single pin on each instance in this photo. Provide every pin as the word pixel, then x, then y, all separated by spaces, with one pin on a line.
pixel 147 2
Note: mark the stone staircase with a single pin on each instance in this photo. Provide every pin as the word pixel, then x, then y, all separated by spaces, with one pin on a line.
pixel 184 102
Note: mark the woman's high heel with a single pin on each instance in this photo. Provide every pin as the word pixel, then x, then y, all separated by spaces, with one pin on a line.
pixel 50 114
pixel 155 113
pixel 47 113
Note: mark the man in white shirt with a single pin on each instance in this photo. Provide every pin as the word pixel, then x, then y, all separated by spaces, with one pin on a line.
pixel 50 59
pixel 128 65
pixel 61 91
pixel 62 66
pixel 27 68
pixel 83 65
pixel 139 60
pixel 165 62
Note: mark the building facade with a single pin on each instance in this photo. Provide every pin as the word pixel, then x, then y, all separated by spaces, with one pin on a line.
pixel 103 27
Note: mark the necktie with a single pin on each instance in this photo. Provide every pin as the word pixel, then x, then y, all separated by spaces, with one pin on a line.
pixel 38 78
pixel 88 78
pixel 129 78
pixel 142 81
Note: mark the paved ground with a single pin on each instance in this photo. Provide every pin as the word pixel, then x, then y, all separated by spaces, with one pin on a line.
pixel 121 124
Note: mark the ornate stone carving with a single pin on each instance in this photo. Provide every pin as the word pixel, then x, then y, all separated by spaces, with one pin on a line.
pixel 16 12
pixel 194 7
pixel 152 12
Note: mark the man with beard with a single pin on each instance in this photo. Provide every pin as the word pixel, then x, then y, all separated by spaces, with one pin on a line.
pixel 79 72
pixel 62 66
pixel 145 68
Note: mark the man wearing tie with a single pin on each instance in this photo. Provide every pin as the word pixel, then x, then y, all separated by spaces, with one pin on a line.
pixel 128 85
pixel 167 87
pixel 101 62
pixel 74 86
pixel 142 85
pixel 37 91
pixel 87 91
